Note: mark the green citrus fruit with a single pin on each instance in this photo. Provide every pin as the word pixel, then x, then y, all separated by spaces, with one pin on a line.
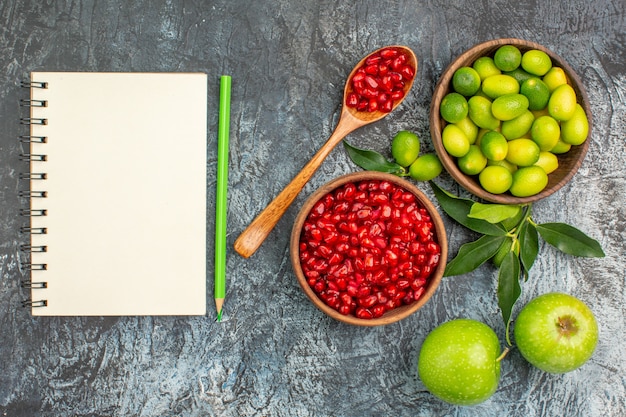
pixel 507 58
pixel 426 167
pixel 473 161
pixel 519 126
pixel 494 145
pixel 575 130
pixel 499 85
pixel 561 147
pixel 480 113
pixel 466 81
pixel 537 93
pixel 562 103
pixel 522 152
pixel 545 131
pixel 519 74
pixel 495 179
pixel 485 67
pixel 453 107
pixel 503 163
pixel 509 106
pixel 528 181
pixel 405 147
pixel 536 62
pixel 554 78
pixel 454 141
pixel 548 161
pixel 469 128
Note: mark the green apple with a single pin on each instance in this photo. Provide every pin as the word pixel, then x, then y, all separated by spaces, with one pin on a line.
pixel 459 362
pixel 556 332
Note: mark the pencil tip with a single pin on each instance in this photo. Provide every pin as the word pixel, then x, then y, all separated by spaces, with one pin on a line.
pixel 219 316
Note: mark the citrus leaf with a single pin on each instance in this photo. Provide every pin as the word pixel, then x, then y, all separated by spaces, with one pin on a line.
pixel 371 160
pixel 472 255
pixel 494 213
pixel 529 246
pixel 459 209
pixel 570 240
pixel 509 288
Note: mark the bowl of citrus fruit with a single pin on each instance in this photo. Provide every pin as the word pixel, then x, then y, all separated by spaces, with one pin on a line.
pixel 368 248
pixel 510 121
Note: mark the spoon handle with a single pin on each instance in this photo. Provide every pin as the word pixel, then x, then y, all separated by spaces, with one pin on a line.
pixel 251 239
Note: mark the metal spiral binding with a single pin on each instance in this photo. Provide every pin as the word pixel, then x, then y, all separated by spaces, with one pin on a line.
pixel 33 103
pixel 33 84
pixel 31 248
pixel 33 194
pixel 37 303
pixel 33 139
pixel 30 284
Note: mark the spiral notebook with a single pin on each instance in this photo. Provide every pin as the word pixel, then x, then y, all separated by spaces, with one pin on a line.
pixel 117 193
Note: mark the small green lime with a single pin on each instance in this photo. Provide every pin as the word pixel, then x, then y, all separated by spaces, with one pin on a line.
pixel 536 62
pixel 548 161
pixel 561 147
pixel 499 85
pixel 466 81
pixel 522 152
pixel 494 145
pixel 453 107
pixel 546 132
pixel 537 93
pixel 519 126
pixel 480 113
pixel 507 57
pixel 509 106
pixel 575 130
pixel 485 67
pixel 473 161
pixel 519 74
pixel 405 147
pixel 554 78
pixel 454 141
pixel 426 167
pixel 495 179
pixel 528 181
pixel 469 128
pixel 562 103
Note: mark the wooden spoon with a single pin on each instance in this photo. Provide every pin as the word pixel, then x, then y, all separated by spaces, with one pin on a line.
pixel 250 239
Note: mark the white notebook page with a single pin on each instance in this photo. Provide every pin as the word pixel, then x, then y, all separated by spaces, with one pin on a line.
pixel 126 193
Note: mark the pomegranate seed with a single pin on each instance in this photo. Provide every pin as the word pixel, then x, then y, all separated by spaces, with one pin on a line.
pixel 352 100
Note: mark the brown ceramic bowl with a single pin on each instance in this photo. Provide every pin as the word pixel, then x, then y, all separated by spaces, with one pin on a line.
pixel 568 162
pixel 391 315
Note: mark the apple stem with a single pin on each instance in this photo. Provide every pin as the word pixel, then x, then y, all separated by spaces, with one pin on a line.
pixel 503 354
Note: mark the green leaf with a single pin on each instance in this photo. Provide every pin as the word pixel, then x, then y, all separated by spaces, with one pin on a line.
pixel 494 213
pixel 371 160
pixel 509 288
pixel 472 255
pixel 529 246
pixel 570 240
pixel 459 209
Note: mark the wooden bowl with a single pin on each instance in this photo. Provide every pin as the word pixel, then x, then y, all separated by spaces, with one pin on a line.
pixel 568 162
pixel 393 315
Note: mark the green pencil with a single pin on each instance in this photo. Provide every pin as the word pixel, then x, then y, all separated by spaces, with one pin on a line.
pixel 221 195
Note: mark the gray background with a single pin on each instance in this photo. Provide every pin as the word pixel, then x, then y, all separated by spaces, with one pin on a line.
pixel 275 354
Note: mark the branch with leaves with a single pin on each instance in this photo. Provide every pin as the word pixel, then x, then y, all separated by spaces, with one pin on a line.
pixel 510 238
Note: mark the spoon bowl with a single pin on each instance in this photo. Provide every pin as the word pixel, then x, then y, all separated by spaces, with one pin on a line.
pixel 350 119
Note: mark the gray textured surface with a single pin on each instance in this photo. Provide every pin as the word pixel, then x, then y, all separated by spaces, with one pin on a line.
pixel 275 354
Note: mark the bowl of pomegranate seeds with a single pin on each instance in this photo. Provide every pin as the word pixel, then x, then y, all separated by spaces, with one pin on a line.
pixel 368 248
